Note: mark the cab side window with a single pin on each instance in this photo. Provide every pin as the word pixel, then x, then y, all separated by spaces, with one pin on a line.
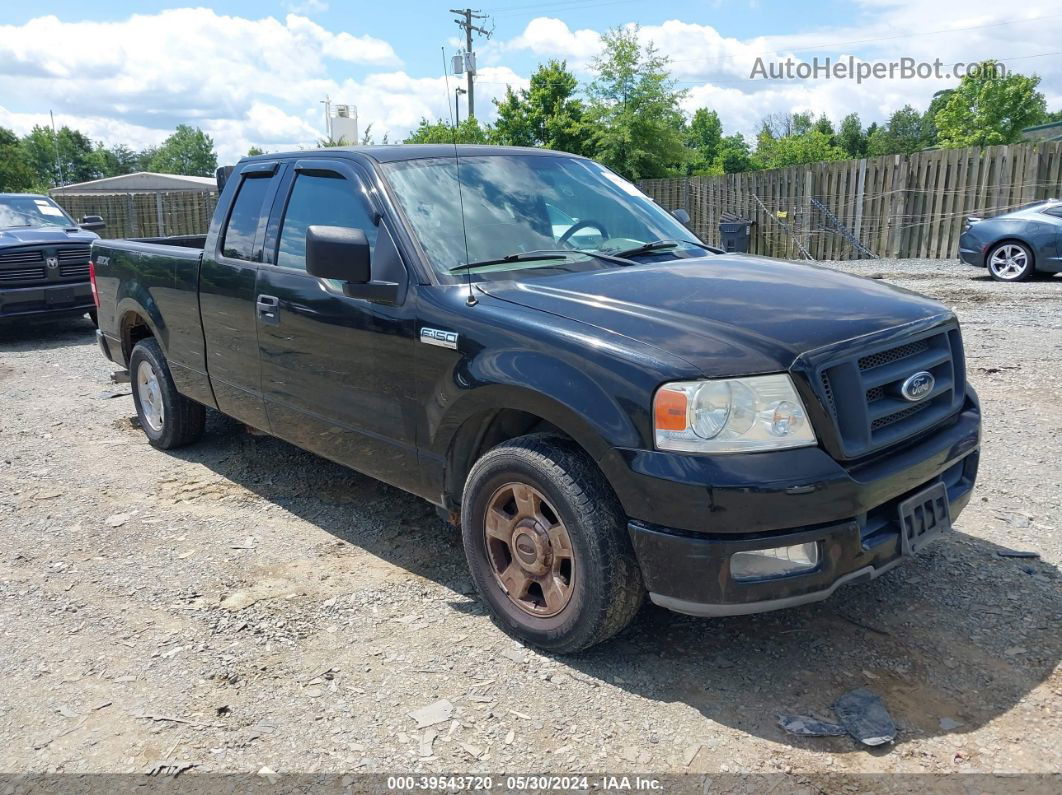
pixel 242 227
pixel 321 201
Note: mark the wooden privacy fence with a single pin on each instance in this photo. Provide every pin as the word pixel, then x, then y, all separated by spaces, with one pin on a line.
pixel 155 214
pixel 893 206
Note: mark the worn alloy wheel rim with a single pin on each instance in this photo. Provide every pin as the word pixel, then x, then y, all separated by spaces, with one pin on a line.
pixel 529 550
pixel 150 393
pixel 1009 261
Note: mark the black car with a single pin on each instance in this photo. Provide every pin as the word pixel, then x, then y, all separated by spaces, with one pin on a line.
pixel 606 405
pixel 1016 245
pixel 44 258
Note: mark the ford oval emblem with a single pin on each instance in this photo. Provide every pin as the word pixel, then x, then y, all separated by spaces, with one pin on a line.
pixel 918 386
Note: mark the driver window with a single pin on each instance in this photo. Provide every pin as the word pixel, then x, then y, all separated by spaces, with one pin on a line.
pixel 325 201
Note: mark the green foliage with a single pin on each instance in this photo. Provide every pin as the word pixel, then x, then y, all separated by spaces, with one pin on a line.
pixel 61 157
pixel 188 151
pixel 851 138
pixel 812 146
pixel 734 155
pixel 16 176
pixel 547 113
pixel 704 136
pixel 637 124
pixel 439 132
pixel 253 151
pixel 987 109
pixel 906 132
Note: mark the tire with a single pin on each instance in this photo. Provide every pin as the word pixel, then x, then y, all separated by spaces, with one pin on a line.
pixel 584 561
pixel 167 417
pixel 1011 261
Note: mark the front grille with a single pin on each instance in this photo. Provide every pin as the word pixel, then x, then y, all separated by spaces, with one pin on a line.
pixel 68 271
pixel 892 355
pixel 12 275
pixel 861 391
pixel 21 257
pixel 74 255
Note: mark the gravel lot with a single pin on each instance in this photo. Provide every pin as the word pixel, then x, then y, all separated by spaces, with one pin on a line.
pixel 242 604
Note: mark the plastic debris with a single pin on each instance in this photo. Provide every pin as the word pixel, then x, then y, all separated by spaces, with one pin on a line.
pixel 432 714
pixel 806 726
pixel 864 715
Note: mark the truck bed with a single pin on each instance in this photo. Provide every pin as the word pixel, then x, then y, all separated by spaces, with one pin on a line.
pixel 152 283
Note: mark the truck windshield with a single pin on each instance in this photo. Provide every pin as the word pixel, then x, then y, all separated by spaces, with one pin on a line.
pixel 574 209
pixel 31 211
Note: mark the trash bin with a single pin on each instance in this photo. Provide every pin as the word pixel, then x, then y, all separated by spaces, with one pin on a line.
pixel 735 232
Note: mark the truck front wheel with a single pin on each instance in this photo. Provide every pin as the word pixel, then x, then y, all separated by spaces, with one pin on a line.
pixel 167 417
pixel 547 545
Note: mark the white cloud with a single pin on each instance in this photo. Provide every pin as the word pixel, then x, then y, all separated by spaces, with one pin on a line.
pixel 715 68
pixel 260 81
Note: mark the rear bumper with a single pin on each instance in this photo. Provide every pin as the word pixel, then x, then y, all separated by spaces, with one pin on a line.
pixel 971 250
pixel 107 345
pixel 46 299
pixel 690 571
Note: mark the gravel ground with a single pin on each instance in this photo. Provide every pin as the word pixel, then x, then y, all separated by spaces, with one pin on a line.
pixel 242 604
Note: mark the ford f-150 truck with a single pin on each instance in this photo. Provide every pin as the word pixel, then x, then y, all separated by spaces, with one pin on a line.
pixel 606 405
pixel 44 257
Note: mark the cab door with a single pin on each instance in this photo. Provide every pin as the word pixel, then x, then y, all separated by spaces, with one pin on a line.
pixel 227 280
pixel 337 372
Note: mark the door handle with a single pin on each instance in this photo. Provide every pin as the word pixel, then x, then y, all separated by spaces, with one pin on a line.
pixel 268 307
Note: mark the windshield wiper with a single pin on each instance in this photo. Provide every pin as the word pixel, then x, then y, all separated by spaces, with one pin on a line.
pixel 539 256
pixel 657 245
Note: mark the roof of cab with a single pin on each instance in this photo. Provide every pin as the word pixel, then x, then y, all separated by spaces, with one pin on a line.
pixel 391 153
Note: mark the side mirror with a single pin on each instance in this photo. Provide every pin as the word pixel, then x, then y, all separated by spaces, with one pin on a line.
pixel 337 252
pixel 92 223
pixel 681 215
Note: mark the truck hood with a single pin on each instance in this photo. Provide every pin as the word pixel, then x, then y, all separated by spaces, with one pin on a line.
pixel 22 236
pixel 725 314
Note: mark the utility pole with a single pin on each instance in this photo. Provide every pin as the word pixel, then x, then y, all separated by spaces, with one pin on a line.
pixel 457 98
pixel 466 15
pixel 55 143
pixel 327 102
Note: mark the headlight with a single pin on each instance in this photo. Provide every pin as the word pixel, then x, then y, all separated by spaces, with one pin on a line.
pixel 731 415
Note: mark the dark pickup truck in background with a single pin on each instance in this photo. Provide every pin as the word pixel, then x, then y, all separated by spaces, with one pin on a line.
pixel 607 405
pixel 44 258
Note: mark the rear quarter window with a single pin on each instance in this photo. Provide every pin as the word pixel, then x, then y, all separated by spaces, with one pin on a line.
pixel 242 227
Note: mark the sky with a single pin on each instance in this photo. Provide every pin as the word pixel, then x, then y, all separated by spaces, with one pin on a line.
pixel 255 73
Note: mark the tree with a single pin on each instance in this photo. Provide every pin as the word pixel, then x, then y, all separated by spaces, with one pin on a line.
pixel 60 157
pixel 904 133
pixel 188 151
pixel 851 137
pixel 825 126
pixel 813 146
pixel 253 151
pixel 439 132
pixel 734 155
pixel 988 108
pixel 704 137
pixel 16 174
pixel 634 109
pixel 546 113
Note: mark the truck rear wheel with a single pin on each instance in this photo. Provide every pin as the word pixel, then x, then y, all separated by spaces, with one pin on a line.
pixel 168 418
pixel 547 545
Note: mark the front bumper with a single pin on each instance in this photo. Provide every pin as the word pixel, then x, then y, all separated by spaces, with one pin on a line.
pixel 46 299
pixel 853 515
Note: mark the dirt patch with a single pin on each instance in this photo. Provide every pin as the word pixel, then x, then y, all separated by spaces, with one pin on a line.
pixel 258 606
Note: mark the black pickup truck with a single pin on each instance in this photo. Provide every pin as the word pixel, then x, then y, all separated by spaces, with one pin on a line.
pixel 606 405
pixel 44 258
